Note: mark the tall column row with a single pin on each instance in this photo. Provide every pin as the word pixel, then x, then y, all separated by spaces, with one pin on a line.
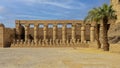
pixel 83 38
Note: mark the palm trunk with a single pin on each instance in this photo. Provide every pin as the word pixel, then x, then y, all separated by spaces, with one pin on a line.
pixel 97 31
pixel 105 35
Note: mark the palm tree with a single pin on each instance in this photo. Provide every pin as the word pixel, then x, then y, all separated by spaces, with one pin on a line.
pixel 93 18
pixel 105 14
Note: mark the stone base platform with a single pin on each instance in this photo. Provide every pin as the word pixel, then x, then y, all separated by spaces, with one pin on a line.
pixel 36 46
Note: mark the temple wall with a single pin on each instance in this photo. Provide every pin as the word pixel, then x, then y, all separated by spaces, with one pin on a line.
pixel 31 32
pixel 59 33
pixel 2 35
pixel 40 33
pixel 116 7
pixel 8 36
pixel 76 34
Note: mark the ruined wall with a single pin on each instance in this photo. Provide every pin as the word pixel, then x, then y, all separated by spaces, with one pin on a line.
pixel 1 35
pixel 5 36
pixel 116 7
pixel 8 36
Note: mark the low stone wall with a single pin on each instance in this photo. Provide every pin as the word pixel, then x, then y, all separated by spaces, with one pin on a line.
pixel 115 48
pixel 93 45
pixel 48 43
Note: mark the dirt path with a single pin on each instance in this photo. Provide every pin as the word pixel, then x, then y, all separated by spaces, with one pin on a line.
pixel 57 58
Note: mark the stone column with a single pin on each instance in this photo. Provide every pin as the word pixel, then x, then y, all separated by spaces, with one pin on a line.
pixel 17 25
pixel 92 33
pixel 18 28
pixel 73 32
pixel 63 32
pixel 54 31
pixel 82 34
pixel 35 33
pixel 26 31
pixel 45 31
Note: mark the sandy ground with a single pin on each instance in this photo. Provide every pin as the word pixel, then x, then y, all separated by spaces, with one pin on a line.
pixel 57 58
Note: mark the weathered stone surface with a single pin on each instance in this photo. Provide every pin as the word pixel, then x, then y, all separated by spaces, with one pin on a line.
pixel 1 35
pixel 116 7
pixel 63 33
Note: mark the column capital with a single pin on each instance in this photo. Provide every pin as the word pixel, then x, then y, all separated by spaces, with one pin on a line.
pixel 82 28
pixel 73 24
pixel 92 28
pixel 93 24
pixel 17 21
pixel 54 24
pixel 17 25
pixel 27 25
pixel 45 25
pixel 36 24
pixel 64 24
pixel 63 27
pixel 54 27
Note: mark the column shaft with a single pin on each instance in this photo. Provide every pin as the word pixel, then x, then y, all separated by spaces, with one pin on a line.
pixel 18 29
pixel 35 33
pixel 26 31
pixel 63 32
pixel 92 34
pixel 45 31
pixel 54 31
pixel 73 32
pixel 82 34
pixel 17 26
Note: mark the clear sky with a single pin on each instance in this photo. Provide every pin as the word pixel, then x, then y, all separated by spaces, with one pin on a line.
pixel 10 10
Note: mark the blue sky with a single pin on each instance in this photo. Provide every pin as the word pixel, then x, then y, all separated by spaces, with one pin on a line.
pixel 10 10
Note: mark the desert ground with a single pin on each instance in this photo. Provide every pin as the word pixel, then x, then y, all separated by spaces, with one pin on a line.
pixel 57 58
